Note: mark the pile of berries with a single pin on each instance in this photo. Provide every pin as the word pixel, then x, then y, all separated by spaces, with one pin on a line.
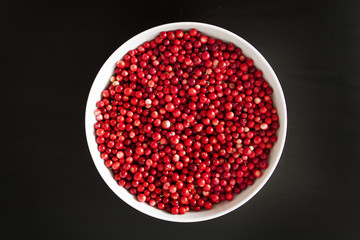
pixel 186 122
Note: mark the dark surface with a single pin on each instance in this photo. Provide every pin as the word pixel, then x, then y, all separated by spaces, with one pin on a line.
pixel 50 54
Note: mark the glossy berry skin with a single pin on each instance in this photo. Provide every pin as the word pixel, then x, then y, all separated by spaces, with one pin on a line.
pixel 187 122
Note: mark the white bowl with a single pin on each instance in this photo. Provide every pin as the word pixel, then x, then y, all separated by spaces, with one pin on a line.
pixel 102 80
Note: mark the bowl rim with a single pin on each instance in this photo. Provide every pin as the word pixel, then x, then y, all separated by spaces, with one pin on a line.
pixel 89 120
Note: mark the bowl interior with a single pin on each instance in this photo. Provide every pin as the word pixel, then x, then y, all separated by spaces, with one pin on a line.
pixel 102 81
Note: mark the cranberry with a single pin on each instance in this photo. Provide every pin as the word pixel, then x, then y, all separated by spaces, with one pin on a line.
pixel 141 197
pixel 187 122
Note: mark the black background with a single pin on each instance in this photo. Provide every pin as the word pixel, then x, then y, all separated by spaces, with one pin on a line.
pixel 50 54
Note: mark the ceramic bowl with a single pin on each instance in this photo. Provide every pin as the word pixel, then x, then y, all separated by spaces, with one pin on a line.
pixel 102 80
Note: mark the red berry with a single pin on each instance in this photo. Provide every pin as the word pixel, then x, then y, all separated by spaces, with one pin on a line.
pixel 156 136
pixel 141 197
pixel 192 91
pixel 211 114
pixel 175 210
pixel 128 91
pixel 139 151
